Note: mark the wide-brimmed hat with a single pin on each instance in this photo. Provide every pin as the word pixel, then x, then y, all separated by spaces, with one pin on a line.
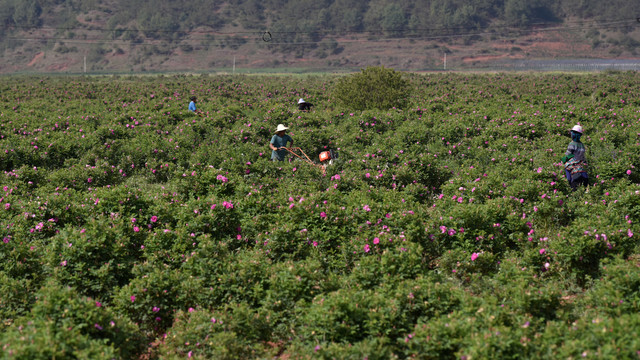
pixel 301 101
pixel 577 129
pixel 281 128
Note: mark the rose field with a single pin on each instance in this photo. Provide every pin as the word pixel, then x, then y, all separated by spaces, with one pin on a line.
pixel 134 229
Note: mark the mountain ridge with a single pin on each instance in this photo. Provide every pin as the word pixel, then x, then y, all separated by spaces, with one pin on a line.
pixel 111 36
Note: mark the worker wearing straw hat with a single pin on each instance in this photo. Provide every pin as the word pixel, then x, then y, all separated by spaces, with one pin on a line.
pixel 279 142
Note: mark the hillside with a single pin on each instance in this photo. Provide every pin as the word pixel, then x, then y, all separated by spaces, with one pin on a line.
pixel 114 35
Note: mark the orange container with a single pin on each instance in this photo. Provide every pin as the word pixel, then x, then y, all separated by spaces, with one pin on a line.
pixel 325 155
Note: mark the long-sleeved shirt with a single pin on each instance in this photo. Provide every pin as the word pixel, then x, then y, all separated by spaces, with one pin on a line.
pixel 577 149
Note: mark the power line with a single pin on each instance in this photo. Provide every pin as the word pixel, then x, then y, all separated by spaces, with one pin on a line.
pixel 332 31
pixel 116 42
pixel 242 37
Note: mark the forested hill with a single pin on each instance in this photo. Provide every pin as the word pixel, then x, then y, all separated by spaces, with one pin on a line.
pixel 151 33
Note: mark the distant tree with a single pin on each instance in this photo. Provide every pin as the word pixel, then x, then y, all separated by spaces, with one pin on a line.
pixel 251 14
pixel 518 12
pixel 465 18
pixel 82 6
pixel 348 15
pixel 27 13
pixel 374 14
pixel 352 20
pixel 441 14
pixel 488 9
pixel 324 19
pixel 158 26
pixel 393 20
pixel 7 9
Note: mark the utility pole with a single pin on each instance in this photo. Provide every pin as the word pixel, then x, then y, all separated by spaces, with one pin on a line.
pixel 85 64
pixel 445 61
pixel 234 65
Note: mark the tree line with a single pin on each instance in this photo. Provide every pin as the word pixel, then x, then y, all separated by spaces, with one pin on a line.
pixel 308 20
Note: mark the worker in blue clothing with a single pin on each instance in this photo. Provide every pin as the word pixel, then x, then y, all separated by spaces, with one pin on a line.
pixel 279 143
pixel 192 104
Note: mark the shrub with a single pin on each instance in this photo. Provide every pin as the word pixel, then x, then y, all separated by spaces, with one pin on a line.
pixel 372 349
pixel 224 334
pixel 597 337
pixel 62 324
pixel 154 296
pixel 617 291
pixel 16 298
pixel 373 88
pixel 95 259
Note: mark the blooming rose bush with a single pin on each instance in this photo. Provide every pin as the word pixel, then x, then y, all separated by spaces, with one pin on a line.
pixel 445 228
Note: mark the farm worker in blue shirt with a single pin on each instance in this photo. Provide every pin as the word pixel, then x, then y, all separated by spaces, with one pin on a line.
pixel 192 104
pixel 575 163
pixel 279 142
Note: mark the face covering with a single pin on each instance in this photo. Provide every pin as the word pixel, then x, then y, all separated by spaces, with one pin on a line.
pixel 575 136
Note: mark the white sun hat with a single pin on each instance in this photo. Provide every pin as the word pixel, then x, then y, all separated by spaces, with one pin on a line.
pixel 301 101
pixel 281 128
pixel 577 129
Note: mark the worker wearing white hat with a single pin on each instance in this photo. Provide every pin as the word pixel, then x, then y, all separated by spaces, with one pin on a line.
pixel 574 160
pixel 303 105
pixel 279 143
pixel 575 146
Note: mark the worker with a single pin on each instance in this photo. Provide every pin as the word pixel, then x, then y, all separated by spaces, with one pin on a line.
pixel 279 143
pixel 303 105
pixel 192 104
pixel 574 160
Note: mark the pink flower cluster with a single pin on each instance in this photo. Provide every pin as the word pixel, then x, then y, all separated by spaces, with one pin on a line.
pixel 445 230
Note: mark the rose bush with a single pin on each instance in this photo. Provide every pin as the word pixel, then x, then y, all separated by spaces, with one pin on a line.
pixel 444 229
